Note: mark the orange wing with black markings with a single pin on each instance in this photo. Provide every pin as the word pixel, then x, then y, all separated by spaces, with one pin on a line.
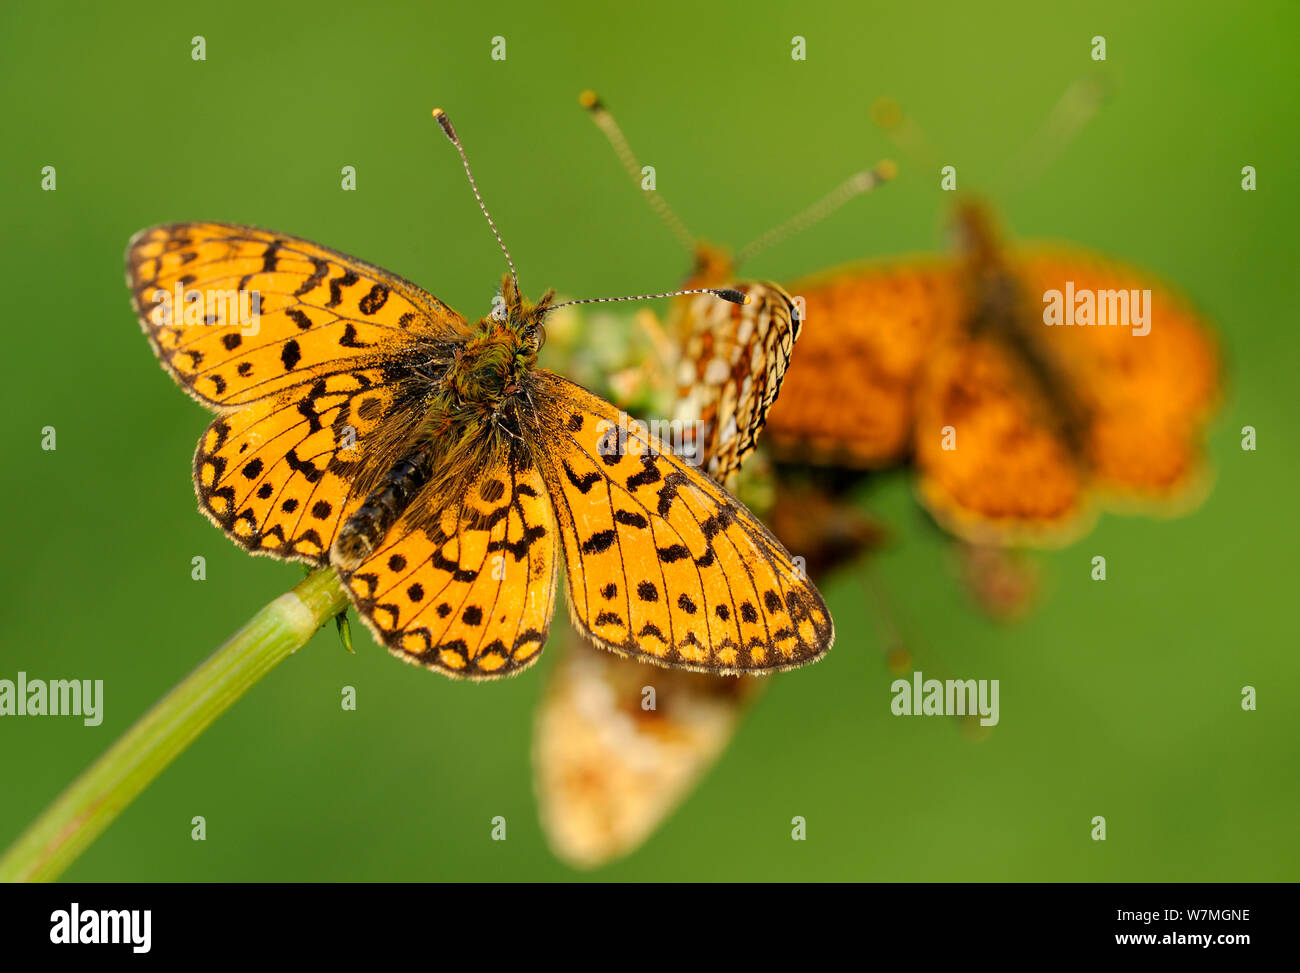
pixel 464 582
pixel 663 564
pixel 279 475
pixel 317 311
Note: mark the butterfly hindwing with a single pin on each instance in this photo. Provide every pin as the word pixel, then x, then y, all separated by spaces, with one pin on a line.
pixel 278 475
pixel 993 463
pixel 733 361
pixel 464 581
pixel 664 565
pixel 237 314
pixel 1147 396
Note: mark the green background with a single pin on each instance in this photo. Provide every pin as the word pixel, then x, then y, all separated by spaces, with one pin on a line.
pixel 1118 699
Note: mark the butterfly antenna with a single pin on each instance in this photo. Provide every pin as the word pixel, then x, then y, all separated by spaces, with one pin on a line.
pixel 726 293
pixel 444 122
pixel 1077 106
pixel 605 120
pixel 855 185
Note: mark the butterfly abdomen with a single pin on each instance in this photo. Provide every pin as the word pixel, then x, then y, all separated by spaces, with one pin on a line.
pixel 363 531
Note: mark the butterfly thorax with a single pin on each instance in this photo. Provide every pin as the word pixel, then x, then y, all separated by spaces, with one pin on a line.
pixel 470 412
pixel 490 366
pixel 488 373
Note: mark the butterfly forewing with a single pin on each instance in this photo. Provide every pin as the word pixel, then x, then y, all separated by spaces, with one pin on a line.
pixel 238 314
pixel 662 563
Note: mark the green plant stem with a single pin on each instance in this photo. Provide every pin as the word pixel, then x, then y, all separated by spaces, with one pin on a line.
pixel 77 817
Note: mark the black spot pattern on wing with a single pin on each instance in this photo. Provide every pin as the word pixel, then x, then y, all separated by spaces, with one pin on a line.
pixel 464 582
pixel 663 564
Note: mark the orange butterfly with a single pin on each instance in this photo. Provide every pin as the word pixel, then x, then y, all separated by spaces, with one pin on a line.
pixel 1017 428
pixel 364 424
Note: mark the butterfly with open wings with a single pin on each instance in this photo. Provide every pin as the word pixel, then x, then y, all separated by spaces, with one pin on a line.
pixel 361 423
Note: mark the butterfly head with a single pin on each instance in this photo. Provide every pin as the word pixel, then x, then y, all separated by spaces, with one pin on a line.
pixel 502 349
pixel 975 233
pixel 522 318
pixel 713 266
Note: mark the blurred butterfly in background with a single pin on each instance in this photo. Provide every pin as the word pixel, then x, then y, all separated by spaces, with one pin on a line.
pixel 364 424
pixel 1016 429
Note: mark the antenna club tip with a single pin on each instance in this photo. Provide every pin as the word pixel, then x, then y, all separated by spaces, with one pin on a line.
pixel 732 295
pixel 589 100
pixel 444 122
pixel 887 169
